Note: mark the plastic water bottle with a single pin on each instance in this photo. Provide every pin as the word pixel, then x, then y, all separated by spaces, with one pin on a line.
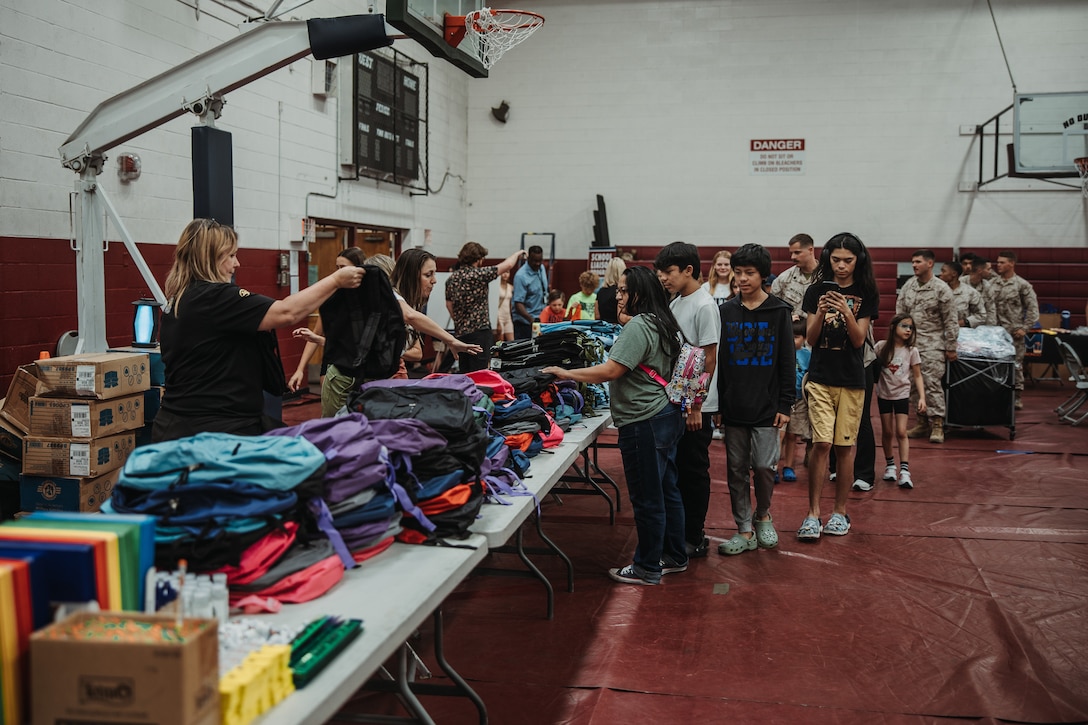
pixel 1067 323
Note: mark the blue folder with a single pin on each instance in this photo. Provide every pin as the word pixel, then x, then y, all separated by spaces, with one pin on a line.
pixel 70 569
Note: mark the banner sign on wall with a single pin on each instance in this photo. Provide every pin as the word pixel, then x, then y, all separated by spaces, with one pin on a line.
pixel 776 156
pixel 599 257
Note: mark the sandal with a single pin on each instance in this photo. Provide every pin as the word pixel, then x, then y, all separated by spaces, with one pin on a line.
pixel 837 525
pixel 737 545
pixel 810 528
pixel 766 536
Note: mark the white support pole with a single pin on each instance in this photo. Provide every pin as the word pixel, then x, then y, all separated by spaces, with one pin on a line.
pixel 130 244
pixel 90 265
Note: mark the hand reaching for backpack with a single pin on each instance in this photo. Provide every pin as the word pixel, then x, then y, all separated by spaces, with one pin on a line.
pixel 459 347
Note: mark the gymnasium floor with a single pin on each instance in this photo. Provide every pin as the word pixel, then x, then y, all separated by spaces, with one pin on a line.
pixel 965 599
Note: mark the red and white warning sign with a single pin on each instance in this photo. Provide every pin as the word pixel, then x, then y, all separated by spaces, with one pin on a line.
pixel 776 156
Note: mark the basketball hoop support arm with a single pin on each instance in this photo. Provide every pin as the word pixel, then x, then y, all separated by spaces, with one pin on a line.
pixel 189 87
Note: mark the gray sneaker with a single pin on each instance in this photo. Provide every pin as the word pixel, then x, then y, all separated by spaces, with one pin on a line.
pixel 860 485
pixel 630 575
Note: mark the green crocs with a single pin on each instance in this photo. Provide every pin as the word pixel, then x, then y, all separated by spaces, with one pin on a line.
pixel 766 536
pixel 737 545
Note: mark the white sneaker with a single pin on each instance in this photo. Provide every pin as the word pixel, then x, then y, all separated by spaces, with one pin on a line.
pixel 904 480
pixel 831 477
pixel 860 485
pixel 889 472
pixel 717 434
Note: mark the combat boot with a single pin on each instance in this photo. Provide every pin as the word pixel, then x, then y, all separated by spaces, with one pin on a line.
pixel 936 433
pixel 920 429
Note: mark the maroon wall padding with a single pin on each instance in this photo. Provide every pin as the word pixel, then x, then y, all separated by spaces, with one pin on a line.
pixel 38 298
pixel 38 295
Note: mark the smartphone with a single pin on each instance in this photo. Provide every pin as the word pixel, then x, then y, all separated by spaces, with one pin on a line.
pixel 828 285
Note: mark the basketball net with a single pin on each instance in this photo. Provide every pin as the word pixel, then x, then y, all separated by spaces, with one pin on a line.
pixel 490 33
pixel 1082 167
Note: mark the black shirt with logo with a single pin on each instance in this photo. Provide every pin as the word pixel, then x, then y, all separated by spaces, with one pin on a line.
pixel 835 361
pixel 212 352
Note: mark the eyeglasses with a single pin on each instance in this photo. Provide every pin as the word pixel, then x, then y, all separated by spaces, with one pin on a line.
pixel 621 290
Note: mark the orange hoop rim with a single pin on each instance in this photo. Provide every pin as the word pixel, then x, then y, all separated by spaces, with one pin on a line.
pixel 1081 164
pixel 531 19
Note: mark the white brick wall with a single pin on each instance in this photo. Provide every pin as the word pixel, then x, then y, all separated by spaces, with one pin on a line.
pixel 652 104
pixel 61 58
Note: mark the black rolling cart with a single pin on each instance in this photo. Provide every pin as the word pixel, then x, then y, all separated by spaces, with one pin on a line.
pixel 979 393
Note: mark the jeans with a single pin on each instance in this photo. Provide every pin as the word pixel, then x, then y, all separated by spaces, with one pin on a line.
pixel 467 363
pixel 693 471
pixel 522 330
pixel 648 451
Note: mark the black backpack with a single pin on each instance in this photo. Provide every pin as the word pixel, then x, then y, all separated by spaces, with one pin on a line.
pixel 364 328
pixel 447 411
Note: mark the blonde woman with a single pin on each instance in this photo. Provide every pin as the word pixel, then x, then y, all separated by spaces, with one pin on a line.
pixel 211 341
pixel 606 295
pixel 505 322
pixel 721 274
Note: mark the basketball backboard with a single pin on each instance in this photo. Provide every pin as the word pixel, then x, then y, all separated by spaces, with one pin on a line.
pixel 1049 131
pixel 424 22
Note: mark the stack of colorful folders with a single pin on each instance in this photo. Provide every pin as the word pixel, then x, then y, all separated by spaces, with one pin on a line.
pixel 48 558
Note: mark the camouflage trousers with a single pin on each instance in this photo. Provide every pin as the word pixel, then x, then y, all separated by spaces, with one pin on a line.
pixel 1021 349
pixel 933 365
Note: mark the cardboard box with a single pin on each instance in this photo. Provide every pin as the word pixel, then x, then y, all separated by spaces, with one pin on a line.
pixel 11 440
pixel 85 418
pixel 103 375
pixel 1050 320
pixel 76 458
pixel 131 681
pixel 154 358
pixel 58 493
pixel 16 406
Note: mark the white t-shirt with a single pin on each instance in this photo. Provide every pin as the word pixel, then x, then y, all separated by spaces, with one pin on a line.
pixel 698 317
pixel 720 293
pixel 894 380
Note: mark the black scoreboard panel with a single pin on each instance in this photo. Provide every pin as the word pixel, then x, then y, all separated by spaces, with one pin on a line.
pixel 387 123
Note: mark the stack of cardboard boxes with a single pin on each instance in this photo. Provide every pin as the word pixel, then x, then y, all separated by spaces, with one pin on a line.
pixel 73 421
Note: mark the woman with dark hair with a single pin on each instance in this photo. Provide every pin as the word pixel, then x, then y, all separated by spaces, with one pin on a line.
pixel 212 347
pixel 414 276
pixel 840 303
pixel 467 301
pixel 649 425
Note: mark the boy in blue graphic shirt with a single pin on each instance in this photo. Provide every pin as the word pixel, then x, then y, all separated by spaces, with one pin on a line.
pixel 755 392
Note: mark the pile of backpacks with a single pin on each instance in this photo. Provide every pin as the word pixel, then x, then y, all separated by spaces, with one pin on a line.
pixel 284 514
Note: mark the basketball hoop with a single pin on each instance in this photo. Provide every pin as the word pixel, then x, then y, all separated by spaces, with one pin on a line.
pixel 490 33
pixel 1082 167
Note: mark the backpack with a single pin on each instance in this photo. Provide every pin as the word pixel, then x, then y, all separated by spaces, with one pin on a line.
pixel 687 388
pixel 448 412
pixel 364 328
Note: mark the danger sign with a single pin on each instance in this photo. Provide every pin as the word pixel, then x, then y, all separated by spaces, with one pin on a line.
pixel 776 156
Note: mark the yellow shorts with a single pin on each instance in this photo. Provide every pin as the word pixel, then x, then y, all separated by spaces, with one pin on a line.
pixel 834 413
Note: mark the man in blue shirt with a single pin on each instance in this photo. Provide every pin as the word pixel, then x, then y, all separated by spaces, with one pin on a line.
pixel 530 293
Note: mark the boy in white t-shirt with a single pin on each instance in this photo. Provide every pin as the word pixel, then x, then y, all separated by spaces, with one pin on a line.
pixel 677 266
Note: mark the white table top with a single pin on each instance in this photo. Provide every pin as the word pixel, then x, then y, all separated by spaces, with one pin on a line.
pixel 393 593
pixel 498 522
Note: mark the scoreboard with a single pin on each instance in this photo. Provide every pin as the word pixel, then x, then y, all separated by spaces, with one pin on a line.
pixel 387 119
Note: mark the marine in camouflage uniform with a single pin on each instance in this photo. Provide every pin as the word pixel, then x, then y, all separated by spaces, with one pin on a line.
pixel 966 300
pixel 1017 310
pixel 936 330
pixel 790 287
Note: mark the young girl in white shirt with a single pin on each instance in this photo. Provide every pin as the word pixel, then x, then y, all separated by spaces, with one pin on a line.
pixel 899 364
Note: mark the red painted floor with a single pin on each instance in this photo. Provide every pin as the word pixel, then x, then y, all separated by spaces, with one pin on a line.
pixel 964 599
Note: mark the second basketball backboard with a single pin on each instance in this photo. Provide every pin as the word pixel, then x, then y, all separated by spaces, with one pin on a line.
pixel 424 22
pixel 1049 131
